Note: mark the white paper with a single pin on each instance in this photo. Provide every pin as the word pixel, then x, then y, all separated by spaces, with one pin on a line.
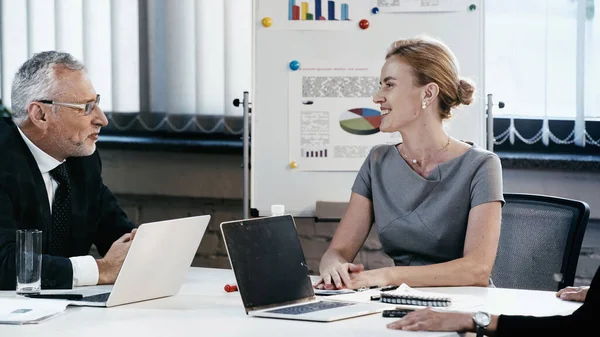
pixel 280 13
pixel 333 122
pixel 407 6
pixel 85 290
pixel 29 311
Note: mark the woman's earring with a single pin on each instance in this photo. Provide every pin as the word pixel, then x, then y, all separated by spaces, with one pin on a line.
pixel 424 105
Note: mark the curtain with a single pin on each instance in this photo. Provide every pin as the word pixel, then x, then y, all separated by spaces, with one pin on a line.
pixel 152 58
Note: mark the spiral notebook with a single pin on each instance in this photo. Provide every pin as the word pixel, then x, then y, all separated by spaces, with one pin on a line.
pixel 405 295
pixel 418 300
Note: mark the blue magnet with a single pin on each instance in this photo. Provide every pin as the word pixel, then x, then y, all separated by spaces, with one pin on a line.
pixel 294 65
pixel 375 10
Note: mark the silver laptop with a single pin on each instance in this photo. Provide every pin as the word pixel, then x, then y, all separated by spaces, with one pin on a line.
pixel 155 266
pixel 272 276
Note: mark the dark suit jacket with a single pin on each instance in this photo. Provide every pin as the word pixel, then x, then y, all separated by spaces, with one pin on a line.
pixel 579 323
pixel 97 216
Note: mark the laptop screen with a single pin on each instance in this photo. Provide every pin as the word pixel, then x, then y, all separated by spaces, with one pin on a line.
pixel 267 260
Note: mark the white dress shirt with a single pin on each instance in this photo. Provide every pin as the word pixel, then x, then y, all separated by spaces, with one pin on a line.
pixel 85 269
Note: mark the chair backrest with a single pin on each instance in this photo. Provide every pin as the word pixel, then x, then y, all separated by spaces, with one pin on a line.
pixel 540 242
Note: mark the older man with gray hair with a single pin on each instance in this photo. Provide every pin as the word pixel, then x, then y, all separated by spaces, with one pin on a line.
pixel 50 177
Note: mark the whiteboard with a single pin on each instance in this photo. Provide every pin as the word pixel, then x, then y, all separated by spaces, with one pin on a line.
pixel 342 43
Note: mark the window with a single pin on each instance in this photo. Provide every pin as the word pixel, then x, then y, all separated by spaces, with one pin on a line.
pixel 542 61
pixel 160 65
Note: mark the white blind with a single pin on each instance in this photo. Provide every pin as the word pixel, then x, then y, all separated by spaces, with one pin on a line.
pixel 196 54
pixel 542 60
pixel 530 56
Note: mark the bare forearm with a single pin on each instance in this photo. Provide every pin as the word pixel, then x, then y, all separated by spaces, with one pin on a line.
pixel 103 275
pixel 332 255
pixel 344 247
pixel 491 329
pixel 460 272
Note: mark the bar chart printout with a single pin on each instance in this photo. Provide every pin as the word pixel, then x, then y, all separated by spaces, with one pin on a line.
pixel 310 153
pixel 318 10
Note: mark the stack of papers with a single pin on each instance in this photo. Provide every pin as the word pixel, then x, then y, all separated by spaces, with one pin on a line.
pixel 29 311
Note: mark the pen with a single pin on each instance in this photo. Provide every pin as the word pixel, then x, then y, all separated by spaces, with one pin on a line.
pixel 388 288
pixel 367 288
pixel 230 288
pixel 57 296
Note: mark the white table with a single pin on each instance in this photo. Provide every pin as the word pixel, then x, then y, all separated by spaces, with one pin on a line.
pixel 202 308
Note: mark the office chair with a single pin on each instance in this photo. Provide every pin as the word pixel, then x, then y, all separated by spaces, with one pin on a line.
pixel 540 241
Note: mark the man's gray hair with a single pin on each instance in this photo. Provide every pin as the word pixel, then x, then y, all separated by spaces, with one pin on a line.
pixel 36 80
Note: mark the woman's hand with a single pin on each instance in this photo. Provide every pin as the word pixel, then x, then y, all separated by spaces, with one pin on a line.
pixel 336 275
pixel 576 294
pixel 349 236
pixel 431 320
pixel 369 278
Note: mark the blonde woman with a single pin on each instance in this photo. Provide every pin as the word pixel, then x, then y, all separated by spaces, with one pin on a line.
pixel 435 200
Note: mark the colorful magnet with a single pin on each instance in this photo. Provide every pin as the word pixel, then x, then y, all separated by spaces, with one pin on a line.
pixel 363 24
pixel 293 165
pixel 374 10
pixel 294 65
pixel 472 7
pixel 267 21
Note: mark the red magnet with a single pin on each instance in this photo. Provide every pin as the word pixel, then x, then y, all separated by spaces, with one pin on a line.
pixel 363 24
pixel 230 288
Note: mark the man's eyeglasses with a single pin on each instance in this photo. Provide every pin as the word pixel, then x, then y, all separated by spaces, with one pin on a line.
pixel 86 107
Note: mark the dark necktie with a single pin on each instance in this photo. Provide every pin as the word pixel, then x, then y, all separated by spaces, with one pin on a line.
pixel 61 212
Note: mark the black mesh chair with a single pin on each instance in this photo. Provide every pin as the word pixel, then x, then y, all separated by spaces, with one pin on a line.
pixel 540 241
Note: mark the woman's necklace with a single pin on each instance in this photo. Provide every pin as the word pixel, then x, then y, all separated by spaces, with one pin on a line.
pixel 415 161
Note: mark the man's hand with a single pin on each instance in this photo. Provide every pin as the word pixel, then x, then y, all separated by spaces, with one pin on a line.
pixel 133 231
pixel 110 265
pixel 576 294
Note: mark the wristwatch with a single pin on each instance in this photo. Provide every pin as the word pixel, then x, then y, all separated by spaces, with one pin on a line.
pixel 482 320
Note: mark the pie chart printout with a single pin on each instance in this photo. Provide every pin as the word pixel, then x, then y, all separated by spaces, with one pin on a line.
pixel 361 121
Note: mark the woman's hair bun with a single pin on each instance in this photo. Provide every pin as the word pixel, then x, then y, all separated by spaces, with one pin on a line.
pixel 466 88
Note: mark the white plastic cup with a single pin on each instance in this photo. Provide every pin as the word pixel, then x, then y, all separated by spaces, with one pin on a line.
pixel 277 210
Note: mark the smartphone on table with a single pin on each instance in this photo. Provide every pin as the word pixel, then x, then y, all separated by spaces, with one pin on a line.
pixel 397 313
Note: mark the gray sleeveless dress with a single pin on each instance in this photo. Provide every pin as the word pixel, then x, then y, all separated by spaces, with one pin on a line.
pixel 422 221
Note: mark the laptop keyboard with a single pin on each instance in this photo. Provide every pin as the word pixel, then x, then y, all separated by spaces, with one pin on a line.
pixel 96 298
pixel 310 307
